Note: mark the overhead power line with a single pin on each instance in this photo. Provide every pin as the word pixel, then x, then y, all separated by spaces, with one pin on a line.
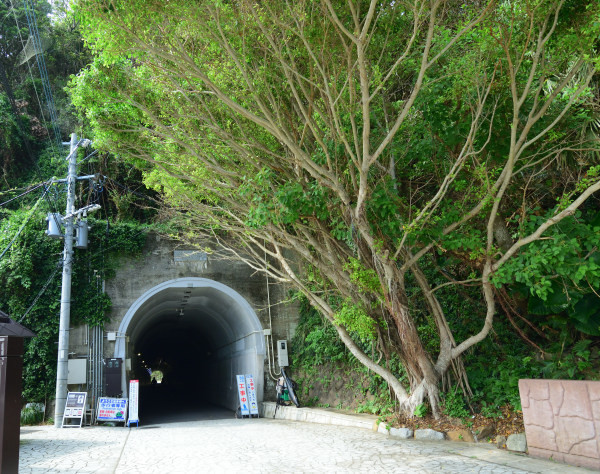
pixel 56 151
pixel 42 291
pixel 35 35
pixel 24 224
pixel 22 194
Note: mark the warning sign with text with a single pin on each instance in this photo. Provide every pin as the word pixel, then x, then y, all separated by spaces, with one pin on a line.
pixel 134 397
pixel 251 391
pixel 243 393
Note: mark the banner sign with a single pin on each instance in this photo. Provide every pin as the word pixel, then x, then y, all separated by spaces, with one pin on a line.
pixel 74 408
pixel 134 397
pixel 111 409
pixel 251 390
pixel 241 385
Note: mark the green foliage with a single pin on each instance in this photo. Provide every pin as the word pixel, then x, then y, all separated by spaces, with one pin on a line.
pixel 28 266
pixel 315 341
pixel 562 271
pixel 578 363
pixel 356 320
pixel 366 279
pixel 249 125
pixel 498 384
pixel 33 414
pixel 369 406
pixel 421 410
pixel 453 404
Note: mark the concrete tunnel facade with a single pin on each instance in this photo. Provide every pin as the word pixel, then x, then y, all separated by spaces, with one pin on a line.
pixel 200 315
pixel 214 321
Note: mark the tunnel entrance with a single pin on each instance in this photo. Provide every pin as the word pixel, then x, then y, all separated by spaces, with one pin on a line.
pixel 198 334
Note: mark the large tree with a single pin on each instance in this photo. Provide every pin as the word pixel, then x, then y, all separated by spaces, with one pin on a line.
pixel 353 143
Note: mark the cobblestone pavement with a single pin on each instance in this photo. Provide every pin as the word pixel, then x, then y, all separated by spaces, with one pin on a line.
pixel 256 445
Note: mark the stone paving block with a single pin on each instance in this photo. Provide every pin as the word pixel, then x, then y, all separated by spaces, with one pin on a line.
pixel 402 433
pixel 429 434
pixel 517 442
pixel 258 445
pixel 382 429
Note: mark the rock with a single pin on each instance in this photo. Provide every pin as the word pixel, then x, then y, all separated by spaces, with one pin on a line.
pixel 382 429
pixel 430 435
pixel 517 442
pixel 501 442
pixel 402 433
pixel 461 435
pixel 486 432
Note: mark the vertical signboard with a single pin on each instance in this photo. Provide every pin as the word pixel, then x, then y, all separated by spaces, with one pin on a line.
pixel 251 391
pixel 134 398
pixel 74 409
pixel 241 385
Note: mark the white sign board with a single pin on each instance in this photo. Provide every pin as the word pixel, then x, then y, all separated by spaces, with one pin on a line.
pixel 112 409
pixel 251 391
pixel 74 409
pixel 241 385
pixel 134 398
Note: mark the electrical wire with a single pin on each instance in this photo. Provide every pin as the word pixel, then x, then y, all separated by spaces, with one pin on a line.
pixel 52 202
pixel 21 195
pixel 23 225
pixel 34 33
pixel 9 92
pixel 42 291
pixel 56 151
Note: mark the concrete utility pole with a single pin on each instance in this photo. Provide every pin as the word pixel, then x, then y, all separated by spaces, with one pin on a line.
pixel 62 368
pixel 65 296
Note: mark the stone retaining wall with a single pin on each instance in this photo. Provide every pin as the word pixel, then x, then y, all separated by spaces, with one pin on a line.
pixel 562 420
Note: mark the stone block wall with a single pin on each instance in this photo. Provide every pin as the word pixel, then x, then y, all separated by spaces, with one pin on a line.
pixel 562 420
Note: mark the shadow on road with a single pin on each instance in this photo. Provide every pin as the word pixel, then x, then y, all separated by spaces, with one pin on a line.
pixel 164 403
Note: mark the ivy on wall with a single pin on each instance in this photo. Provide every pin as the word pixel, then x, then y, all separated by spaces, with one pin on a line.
pixel 34 263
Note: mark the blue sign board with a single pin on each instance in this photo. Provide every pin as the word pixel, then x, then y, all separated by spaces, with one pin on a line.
pixel 112 409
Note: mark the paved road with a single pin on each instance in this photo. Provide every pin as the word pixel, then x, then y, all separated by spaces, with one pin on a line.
pixel 218 443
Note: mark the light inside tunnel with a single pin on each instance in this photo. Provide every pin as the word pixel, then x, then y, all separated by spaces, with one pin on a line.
pixel 200 334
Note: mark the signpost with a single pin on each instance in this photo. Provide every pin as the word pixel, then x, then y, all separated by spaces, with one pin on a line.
pixel 244 406
pixel 112 409
pixel 74 409
pixel 134 397
pixel 251 391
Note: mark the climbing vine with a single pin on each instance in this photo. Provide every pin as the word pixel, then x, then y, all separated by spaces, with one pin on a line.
pixel 30 285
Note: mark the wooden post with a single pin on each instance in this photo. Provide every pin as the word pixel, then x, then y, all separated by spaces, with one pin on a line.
pixel 11 369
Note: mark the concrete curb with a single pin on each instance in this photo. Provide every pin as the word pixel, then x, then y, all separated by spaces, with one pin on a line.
pixel 318 415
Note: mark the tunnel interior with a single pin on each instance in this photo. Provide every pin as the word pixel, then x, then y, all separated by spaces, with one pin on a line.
pixel 198 335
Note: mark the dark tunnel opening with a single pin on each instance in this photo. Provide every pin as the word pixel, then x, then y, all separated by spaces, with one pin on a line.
pixel 180 355
pixel 198 347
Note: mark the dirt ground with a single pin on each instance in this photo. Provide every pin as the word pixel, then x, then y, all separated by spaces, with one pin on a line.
pixel 509 423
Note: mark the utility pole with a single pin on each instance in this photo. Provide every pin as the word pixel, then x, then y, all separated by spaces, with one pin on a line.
pixel 62 367
pixel 65 295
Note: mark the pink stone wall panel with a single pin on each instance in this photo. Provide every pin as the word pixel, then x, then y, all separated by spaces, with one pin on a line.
pixel 538 437
pixel 562 420
pixel 541 413
pixel 576 401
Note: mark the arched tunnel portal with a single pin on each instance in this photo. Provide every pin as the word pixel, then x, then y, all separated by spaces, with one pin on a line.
pixel 199 334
